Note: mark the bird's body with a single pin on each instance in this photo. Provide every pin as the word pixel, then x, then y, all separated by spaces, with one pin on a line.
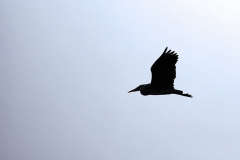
pixel 163 75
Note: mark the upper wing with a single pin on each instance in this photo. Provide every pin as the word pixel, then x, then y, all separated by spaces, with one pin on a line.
pixel 164 70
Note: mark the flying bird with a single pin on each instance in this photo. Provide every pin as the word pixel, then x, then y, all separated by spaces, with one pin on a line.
pixel 163 76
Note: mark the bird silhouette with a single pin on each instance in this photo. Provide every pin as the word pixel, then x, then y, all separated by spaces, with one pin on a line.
pixel 163 76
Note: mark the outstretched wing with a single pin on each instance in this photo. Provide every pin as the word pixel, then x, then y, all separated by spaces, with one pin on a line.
pixel 164 70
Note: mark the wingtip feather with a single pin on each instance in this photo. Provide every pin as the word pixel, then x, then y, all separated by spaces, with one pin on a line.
pixel 165 49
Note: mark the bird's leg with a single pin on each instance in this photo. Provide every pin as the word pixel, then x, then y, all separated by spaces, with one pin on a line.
pixel 181 93
pixel 187 95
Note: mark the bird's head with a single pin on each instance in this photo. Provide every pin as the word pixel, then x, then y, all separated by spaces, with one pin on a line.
pixel 136 89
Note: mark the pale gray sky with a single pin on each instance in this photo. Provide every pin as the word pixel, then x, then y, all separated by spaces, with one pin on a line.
pixel 66 68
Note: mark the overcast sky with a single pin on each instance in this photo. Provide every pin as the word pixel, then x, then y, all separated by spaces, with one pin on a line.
pixel 66 68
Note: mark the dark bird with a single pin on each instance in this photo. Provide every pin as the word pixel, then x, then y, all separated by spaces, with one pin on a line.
pixel 163 75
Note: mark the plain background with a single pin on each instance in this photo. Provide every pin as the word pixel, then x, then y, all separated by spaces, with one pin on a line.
pixel 66 68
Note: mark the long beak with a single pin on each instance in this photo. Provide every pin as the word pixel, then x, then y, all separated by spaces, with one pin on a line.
pixel 134 90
